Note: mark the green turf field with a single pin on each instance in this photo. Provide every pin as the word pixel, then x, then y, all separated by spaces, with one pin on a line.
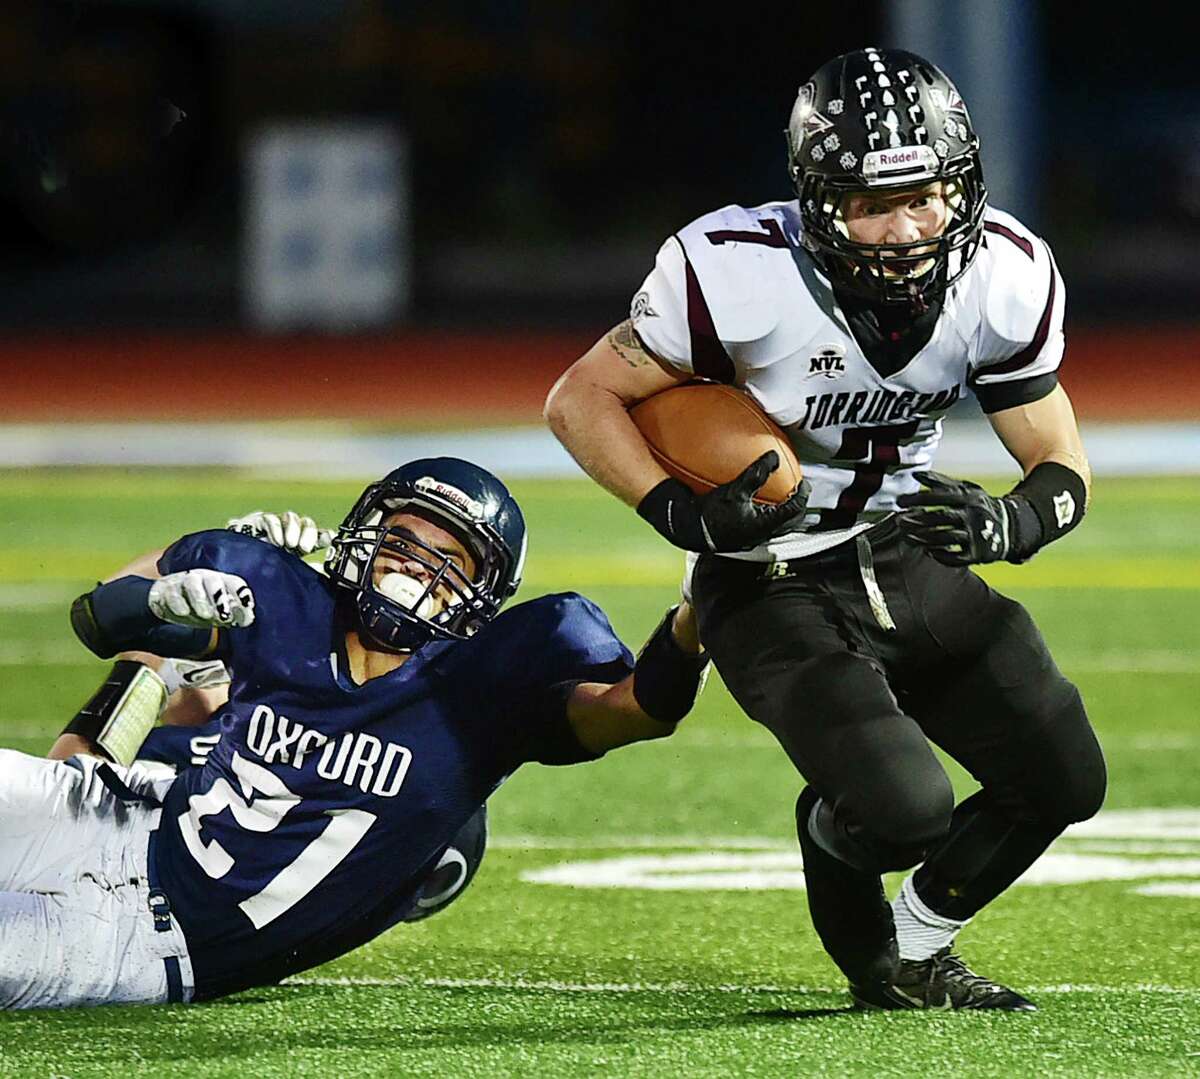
pixel 696 959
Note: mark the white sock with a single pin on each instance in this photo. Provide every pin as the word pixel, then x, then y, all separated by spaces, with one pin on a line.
pixel 920 931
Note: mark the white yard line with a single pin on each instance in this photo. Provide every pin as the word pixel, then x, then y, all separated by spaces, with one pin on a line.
pixel 1154 662
pixel 637 842
pixel 34 596
pixel 556 986
pixel 20 654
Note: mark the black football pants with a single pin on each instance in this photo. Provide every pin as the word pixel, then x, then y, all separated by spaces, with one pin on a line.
pixel 855 706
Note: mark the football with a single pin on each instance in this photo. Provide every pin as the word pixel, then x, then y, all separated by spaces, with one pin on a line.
pixel 705 434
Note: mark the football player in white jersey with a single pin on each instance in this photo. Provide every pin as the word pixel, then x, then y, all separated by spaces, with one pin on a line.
pixel 856 315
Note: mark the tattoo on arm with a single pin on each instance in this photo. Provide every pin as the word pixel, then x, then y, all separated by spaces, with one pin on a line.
pixel 628 346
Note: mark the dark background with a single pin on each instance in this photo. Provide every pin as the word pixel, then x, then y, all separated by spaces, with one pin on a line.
pixel 551 146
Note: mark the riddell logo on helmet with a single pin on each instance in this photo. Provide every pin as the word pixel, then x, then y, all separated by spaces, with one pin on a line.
pixel 897 158
pixel 427 485
pixel 915 162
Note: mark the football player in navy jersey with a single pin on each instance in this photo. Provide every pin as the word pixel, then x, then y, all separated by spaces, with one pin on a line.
pixel 856 315
pixel 371 713
pixel 188 695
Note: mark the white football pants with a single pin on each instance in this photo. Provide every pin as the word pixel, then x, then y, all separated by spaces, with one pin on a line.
pixel 76 927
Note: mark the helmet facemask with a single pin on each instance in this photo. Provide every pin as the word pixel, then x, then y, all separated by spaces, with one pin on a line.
pixel 911 274
pixel 397 610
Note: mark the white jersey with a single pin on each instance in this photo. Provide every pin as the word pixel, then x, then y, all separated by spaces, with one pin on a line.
pixel 734 297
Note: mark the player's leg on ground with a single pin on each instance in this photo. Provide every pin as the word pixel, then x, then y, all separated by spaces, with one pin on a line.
pixel 1009 716
pixel 782 648
pixel 848 908
pixel 75 922
pixel 50 812
pixel 454 870
pixel 92 942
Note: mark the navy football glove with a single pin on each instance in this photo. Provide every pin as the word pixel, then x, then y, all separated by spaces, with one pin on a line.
pixel 960 523
pixel 726 518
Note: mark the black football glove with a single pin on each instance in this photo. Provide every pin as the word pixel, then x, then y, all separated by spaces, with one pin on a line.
pixel 960 523
pixel 727 518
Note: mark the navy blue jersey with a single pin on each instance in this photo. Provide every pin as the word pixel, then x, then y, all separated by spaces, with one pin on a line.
pixel 323 803
pixel 181 747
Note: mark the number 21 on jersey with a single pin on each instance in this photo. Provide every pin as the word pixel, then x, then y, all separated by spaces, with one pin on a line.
pixel 271 802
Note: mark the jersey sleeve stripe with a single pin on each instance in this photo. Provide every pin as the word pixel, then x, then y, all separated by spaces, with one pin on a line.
pixel 1030 352
pixel 709 358
pixel 1003 230
pixel 997 396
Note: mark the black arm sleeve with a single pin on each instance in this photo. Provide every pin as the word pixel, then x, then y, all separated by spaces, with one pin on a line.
pixel 116 617
pixel 997 396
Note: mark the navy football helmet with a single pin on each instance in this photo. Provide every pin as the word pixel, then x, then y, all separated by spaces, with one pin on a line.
pixel 465 500
pixel 874 120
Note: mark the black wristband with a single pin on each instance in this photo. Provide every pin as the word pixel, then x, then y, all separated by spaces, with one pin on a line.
pixel 1056 496
pixel 666 679
pixel 1025 534
pixel 671 508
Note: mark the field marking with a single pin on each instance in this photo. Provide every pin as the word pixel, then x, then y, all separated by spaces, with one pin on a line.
pixel 14 654
pixel 1115 846
pixel 556 986
pixel 1175 889
pixel 639 842
pixel 1152 662
pixel 34 596
pixel 782 870
pixel 1153 742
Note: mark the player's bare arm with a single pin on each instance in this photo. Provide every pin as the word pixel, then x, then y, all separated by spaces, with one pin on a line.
pixel 588 410
pixel 650 702
pixel 1041 431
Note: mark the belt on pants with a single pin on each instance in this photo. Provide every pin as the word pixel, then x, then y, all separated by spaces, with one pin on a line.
pixel 160 909
pixel 159 904
pixel 857 552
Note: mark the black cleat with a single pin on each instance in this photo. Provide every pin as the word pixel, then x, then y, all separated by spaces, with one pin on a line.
pixel 939 983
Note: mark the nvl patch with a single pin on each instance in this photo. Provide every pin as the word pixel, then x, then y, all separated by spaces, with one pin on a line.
pixel 829 362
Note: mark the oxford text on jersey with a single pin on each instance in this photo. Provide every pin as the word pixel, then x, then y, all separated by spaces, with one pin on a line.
pixel 356 759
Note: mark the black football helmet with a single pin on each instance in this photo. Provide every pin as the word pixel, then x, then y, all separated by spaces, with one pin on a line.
pixel 467 501
pixel 874 120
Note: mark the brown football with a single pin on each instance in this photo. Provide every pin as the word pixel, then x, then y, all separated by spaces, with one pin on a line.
pixel 705 434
